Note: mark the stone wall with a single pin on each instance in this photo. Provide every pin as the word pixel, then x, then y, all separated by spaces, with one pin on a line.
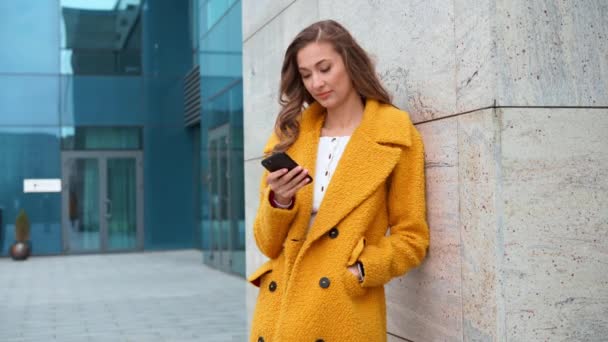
pixel 511 98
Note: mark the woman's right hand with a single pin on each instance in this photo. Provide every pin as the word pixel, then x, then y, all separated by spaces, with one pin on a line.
pixel 285 184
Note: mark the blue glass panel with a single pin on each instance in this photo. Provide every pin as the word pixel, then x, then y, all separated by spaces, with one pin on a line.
pixel 101 37
pixel 101 100
pixel 169 218
pixel 101 138
pixel 226 35
pixel 166 42
pixel 220 59
pixel 29 100
pixel 164 100
pixel 29 36
pixel 30 152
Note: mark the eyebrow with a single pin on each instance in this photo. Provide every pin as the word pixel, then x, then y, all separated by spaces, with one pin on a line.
pixel 319 62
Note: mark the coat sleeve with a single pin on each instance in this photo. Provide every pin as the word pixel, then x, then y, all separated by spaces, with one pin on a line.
pixel 271 225
pixel 406 246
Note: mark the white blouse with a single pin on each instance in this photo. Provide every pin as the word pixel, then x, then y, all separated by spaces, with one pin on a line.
pixel 328 155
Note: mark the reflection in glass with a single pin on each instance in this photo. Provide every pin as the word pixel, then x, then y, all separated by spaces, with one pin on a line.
pixel 99 138
pixel 28 100
pixel 30 152
pixel 83 205
pixel 121 209
pixel 220 59
pixel 101 37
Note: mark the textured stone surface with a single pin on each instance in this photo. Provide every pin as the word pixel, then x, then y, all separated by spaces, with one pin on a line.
pixel 425 304
pixel 262 60
pixel 480 225
pixel 258 13
pixel 253 172
pixel 555 167
pixel 413 46
pixel 475 54
pixel 552 52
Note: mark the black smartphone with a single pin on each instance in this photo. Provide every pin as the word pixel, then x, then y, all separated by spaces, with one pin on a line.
pixel 279 161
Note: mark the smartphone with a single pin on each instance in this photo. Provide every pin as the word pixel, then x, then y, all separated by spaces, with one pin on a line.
pixel 279 161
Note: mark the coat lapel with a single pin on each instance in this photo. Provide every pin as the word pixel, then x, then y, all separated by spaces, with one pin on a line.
pixel 370 156
pixel 364 165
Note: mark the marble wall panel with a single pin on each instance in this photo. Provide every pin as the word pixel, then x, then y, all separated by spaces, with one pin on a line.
pixel 254 258
pixel 480 226
pixel 257 13
pixel 262 59
pixel 413 46
pixel 552 53
pixel 425 304
pixel 555 168
pixel 474 29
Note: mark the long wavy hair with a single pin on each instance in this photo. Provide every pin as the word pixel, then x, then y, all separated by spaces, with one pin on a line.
pixel 293 93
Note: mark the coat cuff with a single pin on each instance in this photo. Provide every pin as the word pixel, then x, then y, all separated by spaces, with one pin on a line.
pixel 272 225
pixel 275 204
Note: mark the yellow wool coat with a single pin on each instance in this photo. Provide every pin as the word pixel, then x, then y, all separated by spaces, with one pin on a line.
pixel 373 211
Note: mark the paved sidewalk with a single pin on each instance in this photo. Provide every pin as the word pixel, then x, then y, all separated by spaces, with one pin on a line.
pixel 153 296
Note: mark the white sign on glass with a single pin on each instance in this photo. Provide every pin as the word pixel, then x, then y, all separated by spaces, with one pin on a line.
pixel 41 185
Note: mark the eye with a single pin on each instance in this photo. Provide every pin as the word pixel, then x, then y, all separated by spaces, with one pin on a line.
pixel 305 76
pixel 325 70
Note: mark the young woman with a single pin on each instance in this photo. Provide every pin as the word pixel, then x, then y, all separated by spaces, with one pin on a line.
pixel 335 243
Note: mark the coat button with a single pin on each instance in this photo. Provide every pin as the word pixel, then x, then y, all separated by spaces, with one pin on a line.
pixel 260 339
pixel 333 233
pixel 320 340
pixel 272 287
pixel 324 282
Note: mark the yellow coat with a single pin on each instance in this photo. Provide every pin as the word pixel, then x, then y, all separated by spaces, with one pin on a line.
pixel 306 291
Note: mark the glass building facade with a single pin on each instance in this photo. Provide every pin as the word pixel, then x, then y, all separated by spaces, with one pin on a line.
pixel 92 93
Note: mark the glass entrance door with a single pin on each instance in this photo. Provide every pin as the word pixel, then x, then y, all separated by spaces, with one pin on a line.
pixel 220 255
pixel 102 201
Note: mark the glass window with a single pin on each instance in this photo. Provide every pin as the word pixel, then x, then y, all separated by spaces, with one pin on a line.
pixel 29 100
pixel 101 37
pixel 30 152
pixel 29 36
pixel 102 101
pixel 101 138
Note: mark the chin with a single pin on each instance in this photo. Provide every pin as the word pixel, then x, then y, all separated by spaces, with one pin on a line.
pixel 327 103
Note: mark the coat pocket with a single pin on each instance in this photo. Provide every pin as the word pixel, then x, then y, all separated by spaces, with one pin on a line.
pixel 354 256
pixel 256 277
pixel 351 282
pixel 352 286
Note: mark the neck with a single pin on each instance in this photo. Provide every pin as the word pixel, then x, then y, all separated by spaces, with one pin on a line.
pixel 343 119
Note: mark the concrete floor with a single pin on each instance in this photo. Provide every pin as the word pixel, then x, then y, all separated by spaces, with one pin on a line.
pixel 154 296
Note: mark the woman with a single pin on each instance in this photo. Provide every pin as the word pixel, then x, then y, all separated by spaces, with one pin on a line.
pixel 330 254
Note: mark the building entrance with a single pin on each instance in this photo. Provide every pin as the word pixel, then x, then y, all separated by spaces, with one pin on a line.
pixel 102 201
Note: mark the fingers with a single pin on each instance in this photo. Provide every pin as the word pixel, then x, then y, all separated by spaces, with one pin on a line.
pixel 274 176
pixel 297 179
pixel 286 184
pixel 291 192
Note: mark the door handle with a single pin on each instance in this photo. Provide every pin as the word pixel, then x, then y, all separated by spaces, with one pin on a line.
pixel 108 209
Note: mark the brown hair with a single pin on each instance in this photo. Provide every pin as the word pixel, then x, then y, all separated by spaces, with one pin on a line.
pixel 293 93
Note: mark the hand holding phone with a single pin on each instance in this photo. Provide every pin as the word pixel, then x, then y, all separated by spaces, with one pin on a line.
pixel 286 177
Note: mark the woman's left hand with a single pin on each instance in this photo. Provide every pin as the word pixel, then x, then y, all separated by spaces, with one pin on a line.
pixel 354 270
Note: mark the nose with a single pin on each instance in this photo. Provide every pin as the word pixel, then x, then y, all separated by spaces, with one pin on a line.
pixel 317 81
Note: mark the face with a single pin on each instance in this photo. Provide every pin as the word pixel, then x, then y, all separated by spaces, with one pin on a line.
pixel 324 74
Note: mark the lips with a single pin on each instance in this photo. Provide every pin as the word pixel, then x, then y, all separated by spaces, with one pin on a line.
pixel 324 95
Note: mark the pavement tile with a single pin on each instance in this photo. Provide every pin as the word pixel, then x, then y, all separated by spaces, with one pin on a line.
pixel 152 296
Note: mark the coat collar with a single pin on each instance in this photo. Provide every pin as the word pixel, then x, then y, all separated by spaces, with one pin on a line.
pixel 368 159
